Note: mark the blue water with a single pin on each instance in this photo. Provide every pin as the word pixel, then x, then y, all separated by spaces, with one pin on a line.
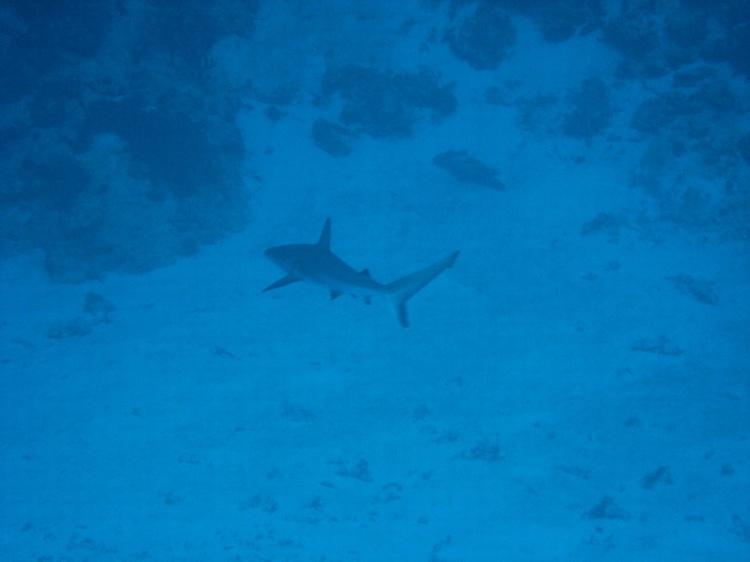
pixel 575 386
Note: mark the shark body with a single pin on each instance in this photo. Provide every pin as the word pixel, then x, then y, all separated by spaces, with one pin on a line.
pixel 315 263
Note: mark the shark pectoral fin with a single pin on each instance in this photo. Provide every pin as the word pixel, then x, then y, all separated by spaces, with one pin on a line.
pixel 336 294
pixel 405 288
pixel 286 280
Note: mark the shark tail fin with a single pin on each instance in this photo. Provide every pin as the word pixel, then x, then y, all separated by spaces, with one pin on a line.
pixel 325 236
pixel 401 290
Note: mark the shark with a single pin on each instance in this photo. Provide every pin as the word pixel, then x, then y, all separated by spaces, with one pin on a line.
pixel 315 263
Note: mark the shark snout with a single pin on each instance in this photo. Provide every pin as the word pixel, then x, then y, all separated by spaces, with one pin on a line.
pixel 279 255
pixel 272 254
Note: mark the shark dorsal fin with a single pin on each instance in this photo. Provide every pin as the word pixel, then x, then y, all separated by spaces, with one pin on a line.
pixel 325 237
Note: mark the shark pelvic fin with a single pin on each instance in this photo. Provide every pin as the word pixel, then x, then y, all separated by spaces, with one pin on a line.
pixel 401 290
pixel 284 281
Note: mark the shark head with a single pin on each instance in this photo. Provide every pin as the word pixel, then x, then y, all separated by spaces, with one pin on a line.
pixel 283 256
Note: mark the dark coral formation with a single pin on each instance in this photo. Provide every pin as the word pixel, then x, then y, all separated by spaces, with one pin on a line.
pixel 332 138
pixel 591 110
pixel 655 37
pixel 467 169
pixel 697 96
pixel 743 146
pixel 45 36
pixel 484 37
pixel 635 34
pixel 124 164
pixel 168 147
pixel 387 104
pixel 562 19
pixel 186 31
pixel 693 123
pixel 557 20
pixel 654 114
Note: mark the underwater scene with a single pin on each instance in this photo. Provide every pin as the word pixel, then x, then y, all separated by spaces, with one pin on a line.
pixel 374 280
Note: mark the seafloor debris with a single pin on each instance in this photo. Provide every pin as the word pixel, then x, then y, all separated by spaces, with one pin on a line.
pixel 607 509
pixel 701 290
pixel 468 169
pixel 96 310
pixel 333 138
pixel 740 528
pixel 604 223
pixel 298 414
pixel 75 327
pixel 486 450
pixel 660 475
pixel 98 307
pixel 359 471
pixel 661 346
pixel 576 471
pixel 261 502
